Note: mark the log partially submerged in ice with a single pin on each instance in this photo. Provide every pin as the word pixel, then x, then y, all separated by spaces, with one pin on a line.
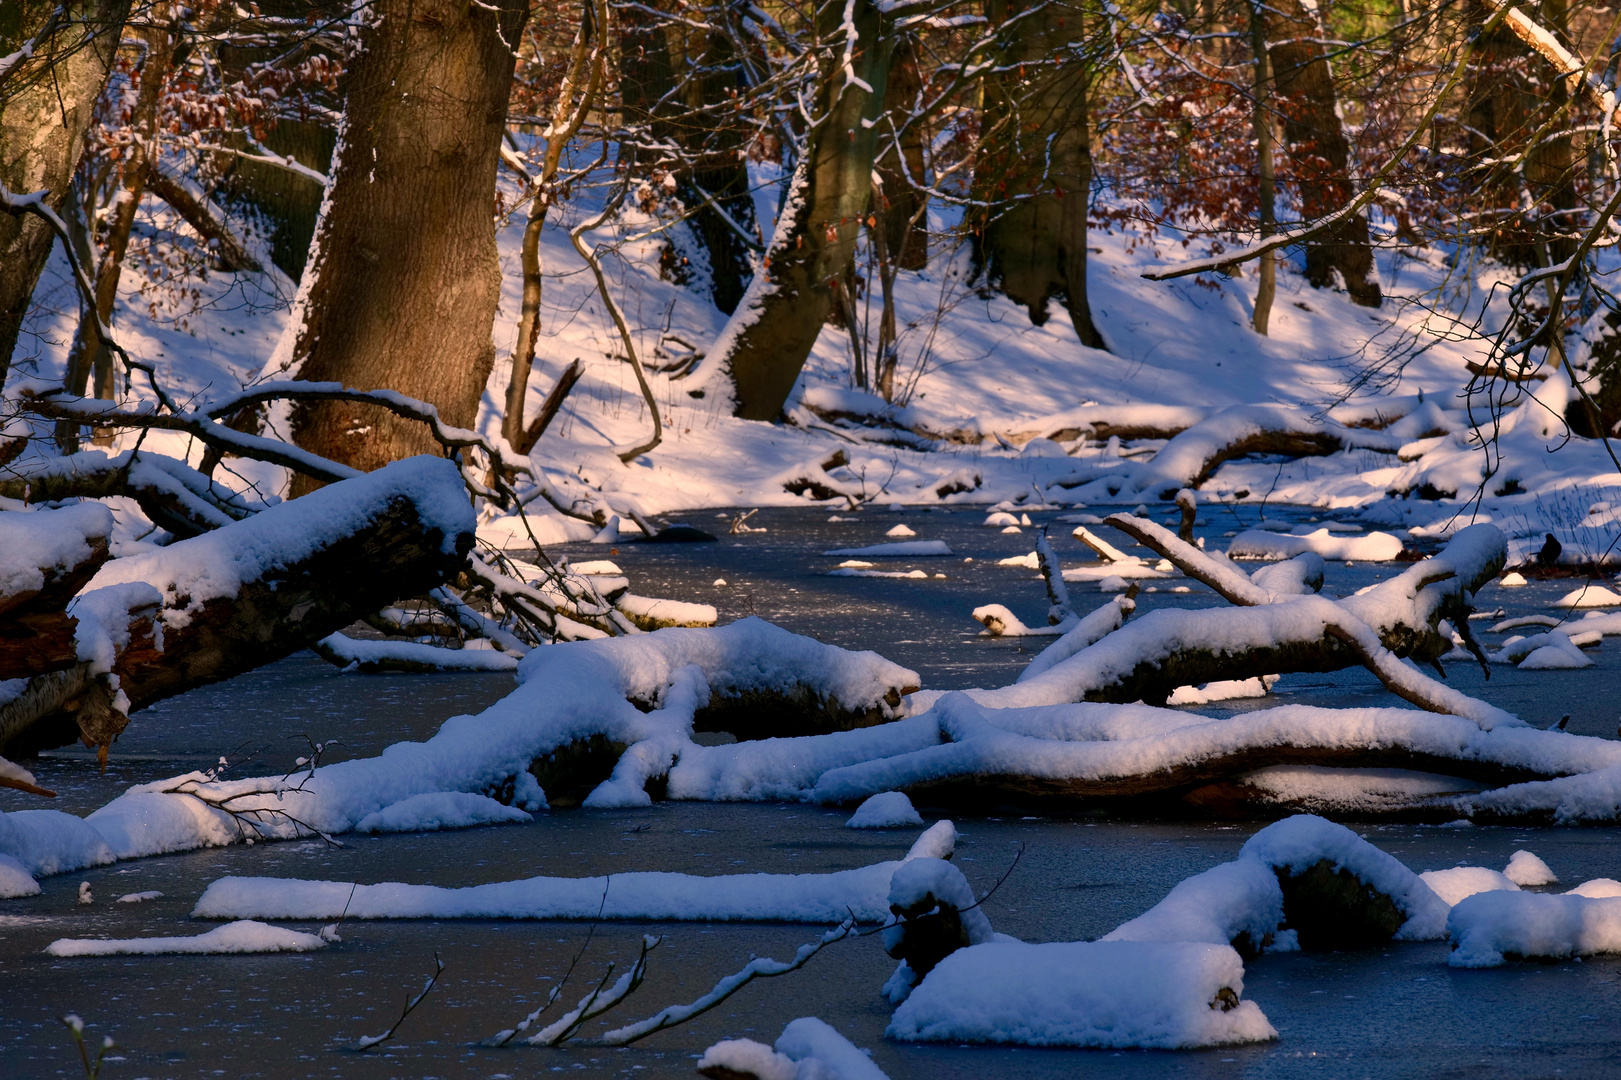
pixel 158 624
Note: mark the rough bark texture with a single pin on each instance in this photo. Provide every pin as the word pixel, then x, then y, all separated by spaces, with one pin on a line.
pixel 45 110
pixel 829 195
pixel 906 241
pixel 1036 166
pixel 1318 150
pixel 406 278
pixel 273 617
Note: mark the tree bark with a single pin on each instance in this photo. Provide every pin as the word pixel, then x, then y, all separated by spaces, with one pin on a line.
pixel 1318 150
pixel 402 291
pixel 46 104
pixel 1265 176
pixel 775 326
pixel 1035 166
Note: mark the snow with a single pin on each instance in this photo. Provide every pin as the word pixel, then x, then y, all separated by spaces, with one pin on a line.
pixel 1462 881
pixel 809 898
pixel 808 1049
pixel 362 652
pixel 1526 869
pixel 1243 898
pixel 886 810
pixel 1512 580
pixel 1107 994
pixel 15 879
pixel 245 936
pixel 1255 544
pixel 45 842
pixel 1225 690
pixel 139 897
pixel 1598 887
pixel 903 549
pixel 1588 596
pixel 440 810
pixel 1487 928
pixel 900 531
pixel 40 545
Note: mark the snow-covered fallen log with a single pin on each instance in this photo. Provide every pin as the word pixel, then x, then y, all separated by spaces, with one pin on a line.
pixel 1492 927
pixel 862 893
pixel 245 936
pixel 153 625
pixel 45 557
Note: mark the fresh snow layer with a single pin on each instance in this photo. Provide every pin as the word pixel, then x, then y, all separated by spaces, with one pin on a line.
pixel 15 880
pixel 1526 870
pixel 1255 544
pixel 34 544
pixel 811 898
pixel 361 652
pixel 886 810
pixel 439 810
pixel 1598 887
pixel 1589 596
pixel 903 549
pixel 1464 881
pixel 1107 994
pixel 808 1049
pixel 244 936
pixel 1489 927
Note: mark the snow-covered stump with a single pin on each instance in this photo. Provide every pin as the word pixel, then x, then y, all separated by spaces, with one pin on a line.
pixel 154 625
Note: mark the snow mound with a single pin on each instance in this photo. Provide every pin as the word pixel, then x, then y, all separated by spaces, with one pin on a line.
pixel 1107 994
pixel 1512 580
pixel 439 810
pixel 1525 869
pixel 1000 520
pixel 901 531
pixel 1554 658
pixel 808 1049
pixel 1225 690
pixel 1256 544
pixel 244 936
pixel 47 842
pixel 1588 596
pixel 1461 882
pixel 1488 928
pixel 886 810
pixel 15 880
pixel 1597 888
pixel 904 549
pixel 35 543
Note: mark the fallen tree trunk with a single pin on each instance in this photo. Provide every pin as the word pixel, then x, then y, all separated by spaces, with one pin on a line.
pixel 152 626
pixel 45 557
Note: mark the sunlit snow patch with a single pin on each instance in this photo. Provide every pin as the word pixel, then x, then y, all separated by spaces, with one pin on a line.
pixel 1588 596
pixel 1257 544
pixel 1526 870
pixel 905 549
pixel 439 810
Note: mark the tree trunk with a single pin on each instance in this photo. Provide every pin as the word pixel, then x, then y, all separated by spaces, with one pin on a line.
pixel 1318 150
pixel 402 289
pixel 1035 164
pixel 1265 175
pixel 46 104
pixel 1499 112
pixel 775 326
pixel 906 230
pixel 89 356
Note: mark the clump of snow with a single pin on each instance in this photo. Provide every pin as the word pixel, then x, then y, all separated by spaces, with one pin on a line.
pixel 139 897
pixel 244 936
pixel 1588 596
pixel 1255 544
pixel 1555 657
pixel 1597 888
pixel 1526 869
pixel 440 810
pixel 1109 994
pixel 1463 881
pixel 886 810
pixel 363 652
pixel 999 520
pixel 1512 580
pixel 1225 690
pixel 15 880
pixel 1489 927
pixel 901 531
pixel 812 898
pixel 596 568
pixel 808 1049
pixel 904 549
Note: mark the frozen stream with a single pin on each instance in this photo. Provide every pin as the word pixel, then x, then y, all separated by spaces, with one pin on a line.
pixel 1398 1011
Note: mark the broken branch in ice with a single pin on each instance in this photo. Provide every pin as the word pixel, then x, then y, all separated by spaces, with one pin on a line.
pixel 368 1041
